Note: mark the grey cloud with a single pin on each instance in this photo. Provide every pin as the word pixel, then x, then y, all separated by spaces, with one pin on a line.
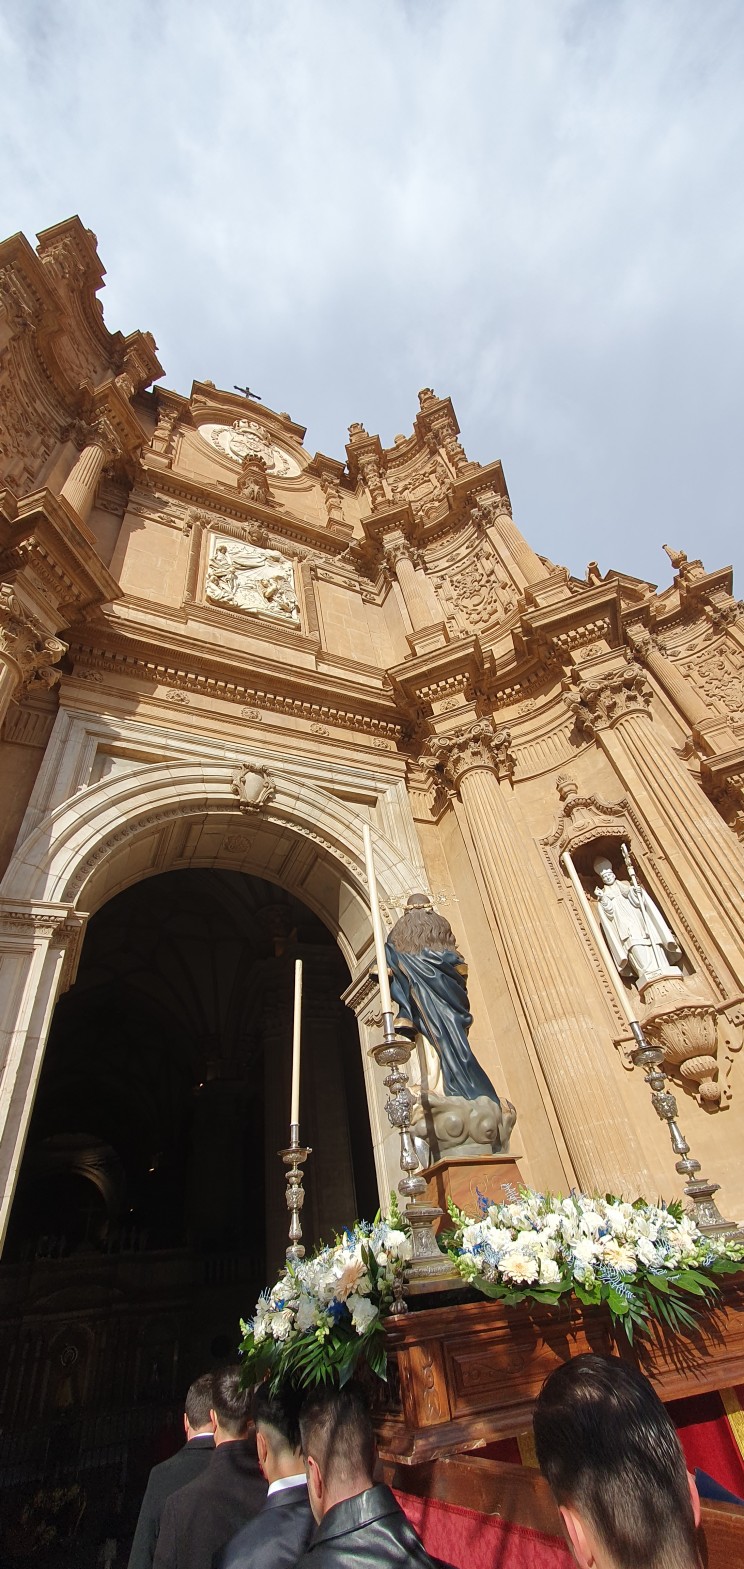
pixel 535 208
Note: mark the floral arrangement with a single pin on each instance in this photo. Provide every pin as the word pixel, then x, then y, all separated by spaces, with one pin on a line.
pixel 324 1315
pixel 645 1261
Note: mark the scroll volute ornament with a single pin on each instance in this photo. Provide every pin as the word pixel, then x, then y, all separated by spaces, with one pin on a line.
pixel 685 1026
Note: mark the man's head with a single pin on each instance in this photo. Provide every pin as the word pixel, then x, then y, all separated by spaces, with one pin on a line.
pixel 197 1406
pixel 338 1445
pixel 614 1464
pixel 277 1432
pixel 231 1405
pixel 603 868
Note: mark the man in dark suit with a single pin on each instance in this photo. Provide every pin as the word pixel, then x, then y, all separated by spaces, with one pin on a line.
pixel 358 1522
pixel 182 1467
pixel 276 1537
pixel 199 1519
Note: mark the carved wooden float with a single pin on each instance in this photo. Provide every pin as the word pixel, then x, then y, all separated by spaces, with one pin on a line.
pixel 468 1373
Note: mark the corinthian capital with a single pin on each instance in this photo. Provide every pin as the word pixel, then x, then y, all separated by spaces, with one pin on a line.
pixel 609 697
pixel 24 640
pixel 477 745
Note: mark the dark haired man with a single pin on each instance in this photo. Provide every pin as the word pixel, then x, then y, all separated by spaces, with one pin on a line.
pixel 278 1536
pixel 358 1522
pixel 614 1464
pixel 183 1467
pixel 199 1519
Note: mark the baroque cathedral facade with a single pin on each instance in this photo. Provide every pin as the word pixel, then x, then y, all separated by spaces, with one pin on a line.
pixel 221 655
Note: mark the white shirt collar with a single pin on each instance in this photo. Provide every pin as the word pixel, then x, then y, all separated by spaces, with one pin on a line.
pixel 287 1481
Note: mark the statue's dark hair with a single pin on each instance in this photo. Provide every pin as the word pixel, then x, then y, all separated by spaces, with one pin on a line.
pixel 336 1430
pixel 418 929
pixel 608 1448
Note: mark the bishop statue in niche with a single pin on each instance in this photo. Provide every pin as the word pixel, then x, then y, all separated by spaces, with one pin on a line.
pixel 248 578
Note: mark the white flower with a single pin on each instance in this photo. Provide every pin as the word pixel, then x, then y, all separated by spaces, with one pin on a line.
pixel 362 1312
pixel 584 1250
pixel 398 1244
pixel 518 1267
pixel 619 1255
pixel 549 1272
pixel 281 1324
pixel 306 1313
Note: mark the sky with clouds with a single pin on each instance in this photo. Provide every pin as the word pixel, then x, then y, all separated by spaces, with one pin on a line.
pixel 534 207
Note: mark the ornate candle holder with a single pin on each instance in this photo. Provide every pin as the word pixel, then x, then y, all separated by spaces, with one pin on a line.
pixel 706 1214
pixel 294 1159
pixel 429 1269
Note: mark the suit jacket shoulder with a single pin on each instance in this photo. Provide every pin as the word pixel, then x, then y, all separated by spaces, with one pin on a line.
pixel 276 1537
pixel 181 1468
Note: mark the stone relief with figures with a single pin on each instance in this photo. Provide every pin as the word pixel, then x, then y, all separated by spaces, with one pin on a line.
pixel 246 577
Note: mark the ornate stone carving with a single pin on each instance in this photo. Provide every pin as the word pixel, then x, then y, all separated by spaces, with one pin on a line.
pixel 162 439
pixel 477 745
pixel 252 482
pixel 606 698
pixel 686 1027
pixel 586 819
pixel 479 591
pixel 246 438
pixel 248 578
pixel 24 640
pixel 719 677
pixel 253 786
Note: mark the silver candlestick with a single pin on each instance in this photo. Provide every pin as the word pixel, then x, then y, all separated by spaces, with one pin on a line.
pixel 706 1214
pixel 294 1159
pixel 429 1269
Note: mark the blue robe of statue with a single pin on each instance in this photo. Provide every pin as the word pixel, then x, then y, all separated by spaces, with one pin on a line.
pixel 431 995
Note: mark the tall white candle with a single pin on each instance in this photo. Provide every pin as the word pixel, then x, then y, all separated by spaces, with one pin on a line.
pixel 294 1116
pixel 374 904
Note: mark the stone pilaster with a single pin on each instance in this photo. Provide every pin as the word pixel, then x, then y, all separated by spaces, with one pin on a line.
pixel 548 967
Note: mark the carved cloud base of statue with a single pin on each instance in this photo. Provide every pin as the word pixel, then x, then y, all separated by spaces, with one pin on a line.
pixel 451 1127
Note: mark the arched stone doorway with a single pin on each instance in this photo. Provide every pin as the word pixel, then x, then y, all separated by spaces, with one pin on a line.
pixel 113 836
pixel 150 1188
pixel 180 815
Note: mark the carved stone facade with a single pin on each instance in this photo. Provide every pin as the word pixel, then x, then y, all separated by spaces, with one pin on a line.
pixel 220 649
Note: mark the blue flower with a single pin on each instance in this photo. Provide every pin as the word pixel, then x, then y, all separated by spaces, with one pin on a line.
pixel 484 1204
pixel 336 1310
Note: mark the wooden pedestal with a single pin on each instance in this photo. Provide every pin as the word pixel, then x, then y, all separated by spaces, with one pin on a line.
pixel 462 1179
pixel 463 1375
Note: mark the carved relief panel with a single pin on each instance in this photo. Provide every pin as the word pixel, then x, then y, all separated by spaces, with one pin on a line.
pixel 248 577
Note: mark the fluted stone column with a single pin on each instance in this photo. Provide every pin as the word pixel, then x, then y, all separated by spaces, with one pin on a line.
pixel 81 484
pixel 703 856
pixel 692 707
pixel 26 649
pixel 549 969
pixel 512 546
pixel 421 601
